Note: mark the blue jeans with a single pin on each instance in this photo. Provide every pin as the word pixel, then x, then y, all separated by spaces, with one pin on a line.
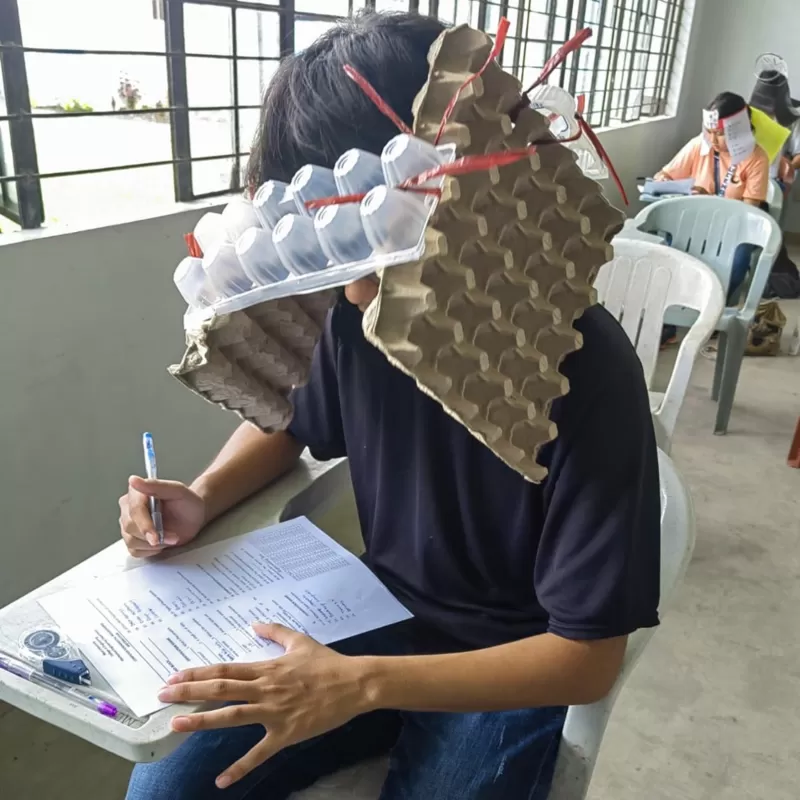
pixel 742 257
pixel 494 756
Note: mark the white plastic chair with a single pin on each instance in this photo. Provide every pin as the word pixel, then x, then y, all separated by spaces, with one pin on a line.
pixel 775 199
pixel 711 228
pixel 585 725
pixel 637 288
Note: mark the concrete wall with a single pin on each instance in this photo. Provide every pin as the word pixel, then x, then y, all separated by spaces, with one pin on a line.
pixel 89 322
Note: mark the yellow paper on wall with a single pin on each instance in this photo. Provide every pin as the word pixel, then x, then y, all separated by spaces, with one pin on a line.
pixel 769 134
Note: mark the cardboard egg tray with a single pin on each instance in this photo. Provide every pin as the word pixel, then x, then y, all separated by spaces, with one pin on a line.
pixel 484 319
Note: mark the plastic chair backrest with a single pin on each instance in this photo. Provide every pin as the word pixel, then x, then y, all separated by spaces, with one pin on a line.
pixel 775 200
pixel 711 228
pixel 585 725
pixel 642 282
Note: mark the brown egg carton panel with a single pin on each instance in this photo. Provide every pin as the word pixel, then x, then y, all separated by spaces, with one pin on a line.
pixel 484 321
pixel 248 362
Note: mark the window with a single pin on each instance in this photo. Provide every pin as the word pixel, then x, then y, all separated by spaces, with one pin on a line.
pixel 123 107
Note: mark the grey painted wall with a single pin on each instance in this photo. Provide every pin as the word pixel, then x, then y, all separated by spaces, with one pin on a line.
pixel 89 322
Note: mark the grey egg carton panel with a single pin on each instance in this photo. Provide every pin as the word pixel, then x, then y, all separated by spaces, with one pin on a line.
pixel 248 362
pixel 485 319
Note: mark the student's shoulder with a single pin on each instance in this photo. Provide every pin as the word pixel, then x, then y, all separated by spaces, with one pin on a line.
pixel 607 362
pixel 758 159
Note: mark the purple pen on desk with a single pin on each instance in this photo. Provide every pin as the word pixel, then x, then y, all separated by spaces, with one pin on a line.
pixel 152 473
pixel 27 673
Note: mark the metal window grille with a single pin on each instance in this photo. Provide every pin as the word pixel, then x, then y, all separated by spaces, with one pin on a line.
pixel 624 71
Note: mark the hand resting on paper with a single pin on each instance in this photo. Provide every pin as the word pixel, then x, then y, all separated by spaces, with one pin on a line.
pixel 698 190
pixel 183 512
pixel 306 692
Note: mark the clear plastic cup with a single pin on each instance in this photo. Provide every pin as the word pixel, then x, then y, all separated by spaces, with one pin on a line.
pixel 299 249
pixel 341 233
pixel 259 258
pixel 237 217
pixel 312 183
pixel 357 171
pixel 192 282
pixel 224 271
pixel 272 201
pixel 393 219
pixel 406 157
pixel 209 231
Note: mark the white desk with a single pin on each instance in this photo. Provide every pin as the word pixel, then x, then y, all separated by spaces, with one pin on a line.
pixel 311 490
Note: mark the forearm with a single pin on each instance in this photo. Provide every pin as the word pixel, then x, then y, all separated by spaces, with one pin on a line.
pixel 249 461
pixel 544 670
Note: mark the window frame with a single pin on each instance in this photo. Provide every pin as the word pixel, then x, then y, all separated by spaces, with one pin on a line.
pixel 627 72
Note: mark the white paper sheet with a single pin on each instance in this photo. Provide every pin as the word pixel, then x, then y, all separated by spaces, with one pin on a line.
pixel 657 188
pixel 739 136
pixel 194 609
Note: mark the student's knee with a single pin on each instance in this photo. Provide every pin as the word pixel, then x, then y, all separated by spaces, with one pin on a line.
pixel 189 773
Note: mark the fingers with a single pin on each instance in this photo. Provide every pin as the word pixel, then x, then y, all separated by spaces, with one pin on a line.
pixel 136 524
pixel 264 750
pixel 228 672
pixel 228 717
pixel 218 689
pixel 280 634
pixel 163 490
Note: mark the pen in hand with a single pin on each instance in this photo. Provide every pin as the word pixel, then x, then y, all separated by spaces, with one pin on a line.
pixel 152 474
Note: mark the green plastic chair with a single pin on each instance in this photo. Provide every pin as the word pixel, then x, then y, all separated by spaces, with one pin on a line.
pixel 710 229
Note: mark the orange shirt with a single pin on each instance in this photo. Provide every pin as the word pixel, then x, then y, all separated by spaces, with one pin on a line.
pixel 750 181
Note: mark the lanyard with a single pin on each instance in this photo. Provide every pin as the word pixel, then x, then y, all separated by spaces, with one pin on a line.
pixel 728 178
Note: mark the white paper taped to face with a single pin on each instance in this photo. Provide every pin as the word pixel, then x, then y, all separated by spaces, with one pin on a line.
pixel 739 136
pixel 710 120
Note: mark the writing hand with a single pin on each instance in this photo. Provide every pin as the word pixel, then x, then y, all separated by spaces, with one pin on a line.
pixel 306 692
pixel 183 512
pixel 698 190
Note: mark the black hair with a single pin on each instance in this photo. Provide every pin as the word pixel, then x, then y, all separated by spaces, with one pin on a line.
pixel 727 104
pixel 772 96
pixel 312 112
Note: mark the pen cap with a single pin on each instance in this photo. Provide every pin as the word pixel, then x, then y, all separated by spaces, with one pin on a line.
pixel 393 219
pixel 259 258
pixel 209 231
pixel 357 171
pixel 224 271
pixel 341 233
pixel 406 157
pixel 312 183
pixel 298 247
pixel 237 217
pixel 192 282
pixel 272 201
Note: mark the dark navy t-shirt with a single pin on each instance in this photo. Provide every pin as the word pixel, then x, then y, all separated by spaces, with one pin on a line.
pixel 466 543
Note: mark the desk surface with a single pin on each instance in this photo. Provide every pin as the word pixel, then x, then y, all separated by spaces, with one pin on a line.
pixel 307 491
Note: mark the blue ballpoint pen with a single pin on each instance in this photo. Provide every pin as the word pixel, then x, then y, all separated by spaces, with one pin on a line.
pixel 152 473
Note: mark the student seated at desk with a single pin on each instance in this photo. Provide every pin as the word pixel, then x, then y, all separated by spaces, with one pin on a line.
pixel 706 158
pixel 523 594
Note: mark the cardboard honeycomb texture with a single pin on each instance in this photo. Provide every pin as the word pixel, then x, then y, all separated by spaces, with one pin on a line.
pixel 484 321
pixel 249 361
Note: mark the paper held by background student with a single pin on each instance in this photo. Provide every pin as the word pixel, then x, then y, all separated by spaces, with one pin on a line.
pixel 194 609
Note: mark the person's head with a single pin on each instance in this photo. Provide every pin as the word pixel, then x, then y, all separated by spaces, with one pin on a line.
pixel 312 112
pixel 726 105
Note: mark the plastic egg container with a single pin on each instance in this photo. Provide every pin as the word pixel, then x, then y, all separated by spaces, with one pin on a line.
pixel 275 246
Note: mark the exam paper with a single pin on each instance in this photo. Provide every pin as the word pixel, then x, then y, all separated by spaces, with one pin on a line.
pixel 656 188
pixel 194 609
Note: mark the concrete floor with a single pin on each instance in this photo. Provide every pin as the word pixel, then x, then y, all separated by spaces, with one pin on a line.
pixel 711 711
